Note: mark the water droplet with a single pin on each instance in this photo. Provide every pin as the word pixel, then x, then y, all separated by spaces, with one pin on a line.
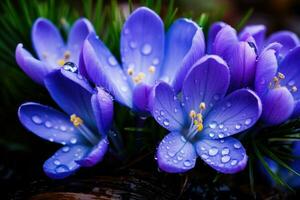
pixel 204 156
pixel 112 61
pixel 175 161
pixel 221 135
pixel 70 66
pixel 221 126
pixel 171 154
pixel 225 151
pixel 183 139
pixel 36 119
pixel 73 140
pixel 187 98
pixel 158 118
pixel 61 169
pixel 213 151
pixel 291 83
pixel 155 61
pixel 126 31
pixel 63 128
pixel 124 88
pixel 248 121
pixel 146 49
pixel 166 122
pixel 225 159
pixel 56 162
pixel 237 145
pixel 213 125
pixel 175 110
pixel 179 157
pixel 228 104
pixel 162 113
pixel 233 162
pixel 66 149
pixel 133 44
pixel 202 148
pixel 237 127
pixel 211 134
pixel 216 97
pixel 51 139
pixel 187 163
pixel 48 124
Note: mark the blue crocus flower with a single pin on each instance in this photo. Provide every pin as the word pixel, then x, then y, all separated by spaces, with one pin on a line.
pixel 82 128
pixel 146 57
pixel 203 119
pixel 50 48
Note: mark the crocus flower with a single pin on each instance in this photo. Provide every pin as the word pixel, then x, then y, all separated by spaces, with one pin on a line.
pixel 82 128
pixel 146 57
pixel 202 121
pixel 239 53
pixel 50 48
pixel 288 177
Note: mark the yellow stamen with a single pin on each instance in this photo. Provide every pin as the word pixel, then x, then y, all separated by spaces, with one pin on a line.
pixel 76 120
pixel 67 55
pixel 200 117
pixel 61 62
pixel 130 71
pixel 199 127
pixel 192 114
pixel 281 75
pixel 202 106
pixel 152 69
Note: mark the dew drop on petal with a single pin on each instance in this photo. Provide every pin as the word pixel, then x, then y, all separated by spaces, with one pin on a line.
pixel 213 151
pixel 56 162
pixel 61 169
pixel 133 44
pixel 73 140
pixel 179 157
pixel 237 126
pixel 63 128
pixel 66 149
pixel 187 163
pixel 225 151
pixel 146 49
pixel 248 121
pixel 36 119
pixel 228 104
pixel 237 145
pixel 175 110
pixel 291 83
pixel 162 113
pixel 183 139
pixel 221 135
pixel 112 61
pixel 225 159
pixel 155 61
pixel 48 124
pixel 213 125
pixel 221 126
pixel 204 156
pixel 166 122
pixel 211 134
pixel 124 89
pixel 233 162
pixel 51 139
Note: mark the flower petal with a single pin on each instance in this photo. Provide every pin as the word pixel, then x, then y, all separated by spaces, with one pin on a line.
pixel 166 108
pixel 278 106
pixel 96 154
pixel 227 155
pixel 266 69
pixel 235 113
pixel 34 68
pixel 258 32
pixel 212 33
pixel 291 70
pixel 142 43
pixel 206 82
pixel 72 93
pixel 103 108
pixel 78 33
pixel 49 124
pixel 47 41
pixel 103 69
pixel 141 95
pixel 175 154
pixel 288 39
pixel 180 47
pixel 62 163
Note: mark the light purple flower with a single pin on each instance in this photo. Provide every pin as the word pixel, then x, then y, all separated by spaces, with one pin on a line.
pixel 201 120
pixel 50 48
pixel 147 56
pixel 82 128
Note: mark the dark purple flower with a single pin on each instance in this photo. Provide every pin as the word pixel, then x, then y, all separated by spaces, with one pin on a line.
pixel 50 48
pixel 147 56
pixel 201 120
pixel 82 128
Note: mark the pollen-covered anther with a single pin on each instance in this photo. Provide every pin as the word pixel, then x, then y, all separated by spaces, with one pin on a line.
pixel 151 69
pixel 61 62
pixel 202 106
pixel 138 78
pixel 77 121
pixel 67 55
pixel 200 127
pixel 130 71
pixel 281 76
pixel 294 89
pixel 192 114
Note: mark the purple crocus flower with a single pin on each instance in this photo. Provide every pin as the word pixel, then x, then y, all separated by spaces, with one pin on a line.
pixel 82 128
pixel 50 48
pixel 202 122
pixel 146 57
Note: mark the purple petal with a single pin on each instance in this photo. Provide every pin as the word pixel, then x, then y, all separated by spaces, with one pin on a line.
pixel 206 82
pixel 103 69
pixel 142 43
pixel 227 155
pixel 141 95
pixel 278 106
pixel 296 112
pixel 258 32
pixel 34 68
pixel 288 39
pixel 224 40
pixel 180 48
pixel 175 154
pixel 62 163
pixel 72 93
pixel 78 33
pixel 49 123
pixel 266 69
pixel 47 41
pixel 103 108
pixel 96 154
pixel 289 67
pixel 212 33
pixel 235 113
pixel 241 59
pixel 166 108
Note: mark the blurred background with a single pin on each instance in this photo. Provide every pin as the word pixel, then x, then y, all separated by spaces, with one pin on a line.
pixel 21 153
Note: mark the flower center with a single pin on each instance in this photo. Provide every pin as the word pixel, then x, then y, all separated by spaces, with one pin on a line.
pixel 139 77
pixel 276 83
pixel 196 125
pixel 85 131
pixel 66 57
